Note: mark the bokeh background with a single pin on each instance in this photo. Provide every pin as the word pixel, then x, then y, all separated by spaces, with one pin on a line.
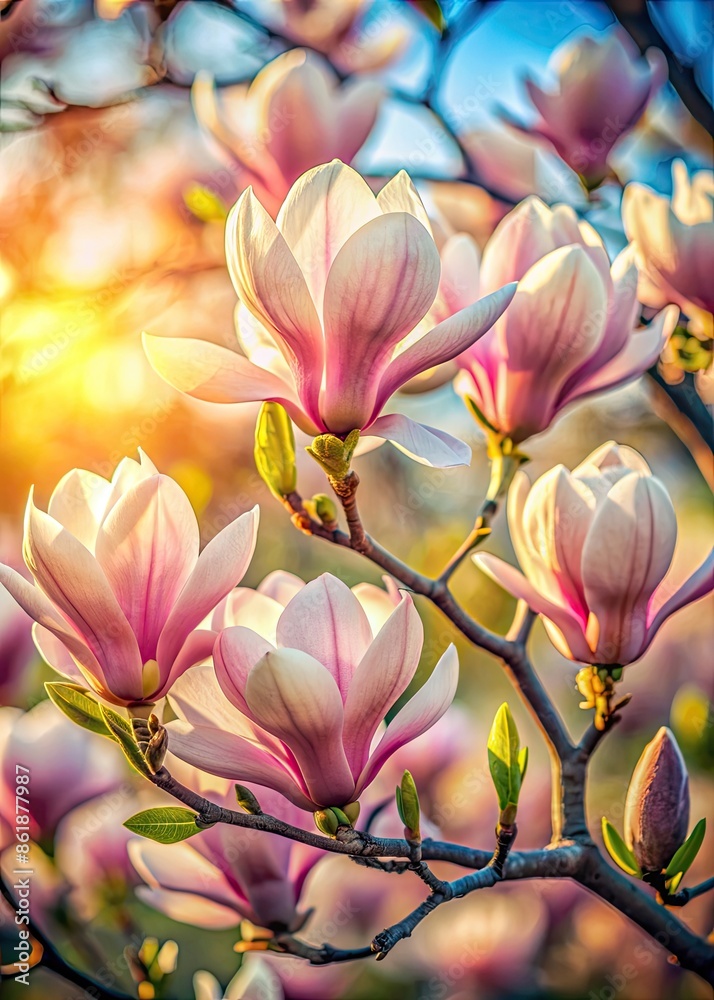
pixel 111 222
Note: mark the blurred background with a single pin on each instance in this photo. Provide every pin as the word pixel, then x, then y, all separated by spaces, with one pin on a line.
pixel 113 190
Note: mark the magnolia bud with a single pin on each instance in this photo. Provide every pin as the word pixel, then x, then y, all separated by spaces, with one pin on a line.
pixel 326 822
pixel 156 750
pixel 657 806
pixel 334 454
pixel 275 450
pixel 408 807
pixel 325 508
pixel 247 801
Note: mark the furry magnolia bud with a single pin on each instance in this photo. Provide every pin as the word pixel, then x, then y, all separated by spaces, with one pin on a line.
pixel 657 806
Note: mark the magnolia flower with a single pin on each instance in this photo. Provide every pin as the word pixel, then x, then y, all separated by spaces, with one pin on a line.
pixel 300 716
pixel 674 243
pixel 570 330
pixel 227 874
pixel 335 288
pixel 595 545
pixel 293 116
pixel 657 805
pixel 67 765
pixel 120 586
pixel 603 86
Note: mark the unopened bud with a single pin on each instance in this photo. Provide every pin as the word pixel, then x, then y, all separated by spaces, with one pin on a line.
pixel 247 801
pixel 325 508
pixel 275 450
pixel 334 454
pixel 156 750
pixel 657 805
pixel 408 807
pixel 352 812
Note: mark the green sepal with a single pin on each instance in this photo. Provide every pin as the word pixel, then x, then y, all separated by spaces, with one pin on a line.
pixel 120 728
pixel 523 762
pixel 618 850
pixel 165 824
pixel 78 706
pixel 686 854
pixel 504 758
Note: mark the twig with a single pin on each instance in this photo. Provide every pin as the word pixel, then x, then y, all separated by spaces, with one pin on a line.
pixel 682 897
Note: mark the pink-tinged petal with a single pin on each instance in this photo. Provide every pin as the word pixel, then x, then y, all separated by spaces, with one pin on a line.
pixel 236 652
pixel 73 580
pixel 641 351
pixel 417 716
pixel 696 586
pixel 215 374
pixel 220 567
pixel 45 614
pixel 382 676
pixel 400 195
pixel 281 586
pixel 426 445
pixel 444 342
pixel 197 698
pixel 197 649
pixel 378 602
pixel 234 757
pixel 380 286
pixel 326 620
pixel 296 699
pixel 626 554
pixel 188 908
pixel 147 547
pixel 54 652
pixel 129 473
pixel 460 267
pixel 322 210
pixel 269 281
pixel 519 240
pixel 357 112
pixel 181 868
pixel 79 502
pixel 244 606
pixel 564 619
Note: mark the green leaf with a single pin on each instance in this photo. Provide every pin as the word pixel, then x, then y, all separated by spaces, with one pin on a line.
pixel 165 825
pixel 686 854
pixel 523 762
pixel 120 728
pixel 618 850
pixel 504 758
pixel 78 706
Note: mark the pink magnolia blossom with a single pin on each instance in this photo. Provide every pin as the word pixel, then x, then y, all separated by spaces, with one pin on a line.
pixel 227 874
pixel 602 89
pixel 570 330
pixel 67 765
pixel 674 243
pixel 335 287
pixel 293 116
pixel 300 716
pixel 120 586
pixel 595 545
